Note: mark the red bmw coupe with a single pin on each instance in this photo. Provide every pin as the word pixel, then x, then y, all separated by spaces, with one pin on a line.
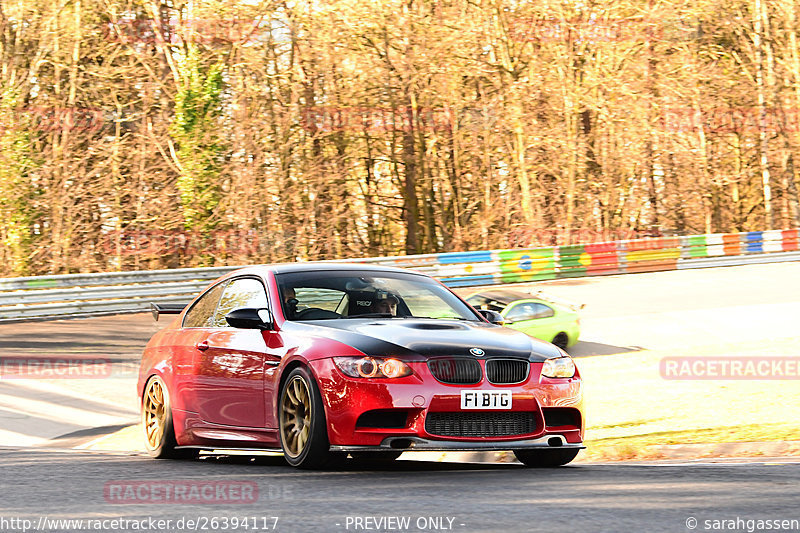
pixel 319 361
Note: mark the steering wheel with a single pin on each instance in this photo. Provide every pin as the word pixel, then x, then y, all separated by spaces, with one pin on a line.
pixel 315 313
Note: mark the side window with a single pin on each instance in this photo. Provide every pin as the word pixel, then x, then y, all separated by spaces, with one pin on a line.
pixel 525 311
pixel 544 311
pixel 529 311
pixel 200 314
pixel 481 302
pixel 242 292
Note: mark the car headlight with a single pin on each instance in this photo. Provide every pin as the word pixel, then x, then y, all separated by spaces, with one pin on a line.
pixel 559 367
pixel 372 367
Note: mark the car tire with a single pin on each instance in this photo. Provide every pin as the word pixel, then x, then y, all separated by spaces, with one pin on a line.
pixel 302 426
pixel 159 431
pixel 375 457
pixel 561 340
pixel 546 458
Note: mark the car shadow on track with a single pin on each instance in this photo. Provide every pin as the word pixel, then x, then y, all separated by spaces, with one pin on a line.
pixel 351 465
pixel 587 349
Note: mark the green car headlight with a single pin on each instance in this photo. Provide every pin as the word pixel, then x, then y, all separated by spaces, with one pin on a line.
pixel 559 367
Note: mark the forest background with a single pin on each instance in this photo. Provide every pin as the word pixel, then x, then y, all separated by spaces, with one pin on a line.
pixel 139 134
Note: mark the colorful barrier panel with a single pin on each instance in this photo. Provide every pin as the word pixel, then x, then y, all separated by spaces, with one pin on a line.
pixel 601 259
pixel 731 244
pixel 526 265
pixel 124 292
pixel 715 245
pixel 650 255
pixel 569 261
pixel 790 240
pixel 698 246
pixel 753 242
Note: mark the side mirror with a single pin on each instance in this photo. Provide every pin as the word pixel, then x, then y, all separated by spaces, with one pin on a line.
pixel 492 316
pixel 249 318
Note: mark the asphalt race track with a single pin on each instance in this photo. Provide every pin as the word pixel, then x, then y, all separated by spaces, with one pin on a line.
pixel 46 477
pixel 603 498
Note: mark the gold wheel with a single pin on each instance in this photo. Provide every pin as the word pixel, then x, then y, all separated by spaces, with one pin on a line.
pixel 155 414
pixel 295 416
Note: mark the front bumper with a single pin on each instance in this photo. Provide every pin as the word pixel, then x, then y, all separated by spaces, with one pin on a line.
pixel 419 395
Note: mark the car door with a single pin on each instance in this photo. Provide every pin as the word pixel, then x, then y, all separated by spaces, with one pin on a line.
pixel 534 318
pixel 231 361
pixel 194 332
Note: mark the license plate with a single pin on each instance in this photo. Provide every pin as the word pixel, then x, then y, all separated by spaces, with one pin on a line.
pixel 485 399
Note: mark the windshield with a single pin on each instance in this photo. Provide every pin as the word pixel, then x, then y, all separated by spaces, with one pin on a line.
pixel 322 295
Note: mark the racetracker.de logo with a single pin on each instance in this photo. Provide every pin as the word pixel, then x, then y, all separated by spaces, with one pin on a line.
pixel 58 119
pixel 740 119
pixel 74 367
pixel 406 119
pixel 596 30
pixel 729 368
pixel 189 491
pixel 208 31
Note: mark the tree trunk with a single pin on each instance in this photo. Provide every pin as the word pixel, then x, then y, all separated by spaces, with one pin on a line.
pixel 763 160
pixel 410 198
pixel 792 176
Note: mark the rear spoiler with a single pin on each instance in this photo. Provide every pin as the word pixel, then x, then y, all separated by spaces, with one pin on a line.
pixel 165 309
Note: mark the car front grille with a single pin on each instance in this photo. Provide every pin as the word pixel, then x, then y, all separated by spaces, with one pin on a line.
pixel 455 370
pixel 505 371
pixel 480 424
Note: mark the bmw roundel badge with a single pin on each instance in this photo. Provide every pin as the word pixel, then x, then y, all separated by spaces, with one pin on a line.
pixel 477 352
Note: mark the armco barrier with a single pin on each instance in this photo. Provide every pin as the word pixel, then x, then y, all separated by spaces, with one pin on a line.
pixel 127 292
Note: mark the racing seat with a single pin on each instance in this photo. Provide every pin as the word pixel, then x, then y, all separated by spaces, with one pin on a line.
pixel 359 302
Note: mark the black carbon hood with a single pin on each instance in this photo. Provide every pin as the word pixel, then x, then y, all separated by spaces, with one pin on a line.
pixel 428 337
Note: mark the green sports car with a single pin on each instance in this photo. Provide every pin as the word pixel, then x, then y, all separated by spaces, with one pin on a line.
pixel 558 323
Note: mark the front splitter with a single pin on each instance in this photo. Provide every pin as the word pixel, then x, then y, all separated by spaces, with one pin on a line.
pixel 411 444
